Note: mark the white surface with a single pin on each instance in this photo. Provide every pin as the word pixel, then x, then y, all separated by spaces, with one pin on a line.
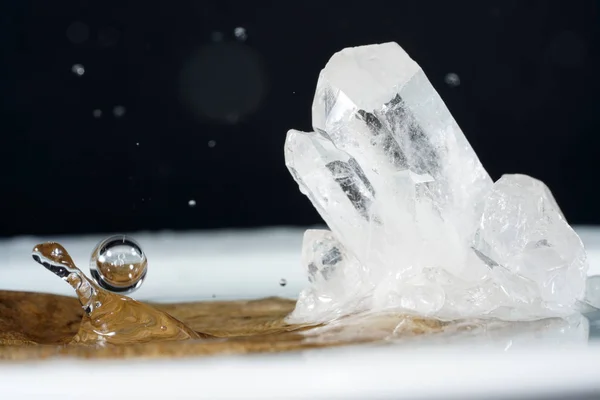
pixel 192 266
pixel 537 360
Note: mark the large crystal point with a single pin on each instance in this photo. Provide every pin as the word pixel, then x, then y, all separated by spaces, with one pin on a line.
pixel 405 196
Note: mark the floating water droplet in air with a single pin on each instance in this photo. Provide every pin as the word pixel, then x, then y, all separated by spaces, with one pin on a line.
pixel 97 113
pixel 78 69
pixel 119 264
pixel 452 79
pixel 192 203
pixel 119 111
pixel 212 143
pixel 283 282
pixel 240 33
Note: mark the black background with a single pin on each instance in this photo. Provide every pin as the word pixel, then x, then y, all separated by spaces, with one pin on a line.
pixel 206 111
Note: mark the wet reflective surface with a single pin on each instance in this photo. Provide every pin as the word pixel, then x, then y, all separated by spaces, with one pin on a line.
pixel 109 318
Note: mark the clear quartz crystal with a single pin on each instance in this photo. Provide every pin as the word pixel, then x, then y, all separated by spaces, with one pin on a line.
pixel 418 221
pixel 592 291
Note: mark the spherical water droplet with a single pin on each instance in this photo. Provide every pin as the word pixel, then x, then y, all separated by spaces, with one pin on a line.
pixel 240 33
pixel 97 113
pixel 119 111
pixel 283 282
pixel 192 203
pixel 212 143
pixel 78 69
pixel 452 79
pixel 119 264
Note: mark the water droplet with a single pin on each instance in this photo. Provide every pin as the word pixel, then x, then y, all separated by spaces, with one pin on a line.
pixel 163 328
pixel 97 113
pixel 452 79
pixel 78 69
pixel 192 203
pixel 283 282
pixel 240 33
pixel 78 32
pixel 216 36
pixel 119 111
pixel 212 143
pixel 112 261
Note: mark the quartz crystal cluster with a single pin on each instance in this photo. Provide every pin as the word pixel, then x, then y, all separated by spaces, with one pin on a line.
pixel 416 223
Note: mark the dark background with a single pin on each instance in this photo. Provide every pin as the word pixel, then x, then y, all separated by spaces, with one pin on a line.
pixel 188 110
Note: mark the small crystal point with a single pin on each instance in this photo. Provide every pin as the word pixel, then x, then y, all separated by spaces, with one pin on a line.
pixel 419 222
pixel 335 277
pixel 524 233
pixel 334 183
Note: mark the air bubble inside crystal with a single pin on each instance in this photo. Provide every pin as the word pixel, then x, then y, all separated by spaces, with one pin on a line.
pixel 119 264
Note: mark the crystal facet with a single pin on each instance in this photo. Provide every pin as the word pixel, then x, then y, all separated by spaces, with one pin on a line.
pixel 592 291
pixel 417 222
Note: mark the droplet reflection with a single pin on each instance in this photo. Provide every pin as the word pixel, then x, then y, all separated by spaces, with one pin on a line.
pixel 118 264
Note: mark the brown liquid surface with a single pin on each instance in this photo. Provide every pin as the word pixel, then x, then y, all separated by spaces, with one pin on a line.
pixel 101 324
pixel 35 325
pixel 122 320
pixel 110 318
